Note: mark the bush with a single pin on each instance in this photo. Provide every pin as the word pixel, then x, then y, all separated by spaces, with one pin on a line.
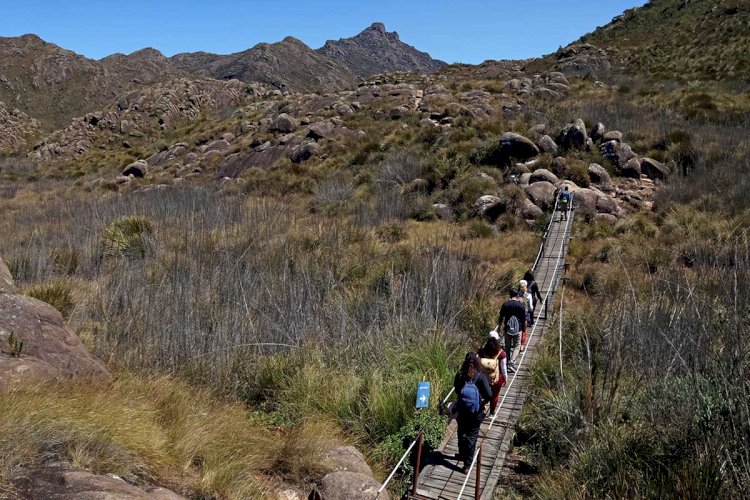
pixel 478 228
pixel 57 294
pixel 128 237
pixel 578 172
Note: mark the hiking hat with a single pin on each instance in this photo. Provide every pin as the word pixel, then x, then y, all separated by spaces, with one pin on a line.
pixel 513 293
pixel 523 283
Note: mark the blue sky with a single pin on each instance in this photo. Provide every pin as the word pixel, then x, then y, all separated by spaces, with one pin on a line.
pixel 455 31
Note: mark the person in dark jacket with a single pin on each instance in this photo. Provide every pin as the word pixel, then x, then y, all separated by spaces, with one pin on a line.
pixel 469 422
pixel 512 319
pixel 533 289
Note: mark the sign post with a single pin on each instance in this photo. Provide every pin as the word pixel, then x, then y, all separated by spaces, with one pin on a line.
pixel 423 394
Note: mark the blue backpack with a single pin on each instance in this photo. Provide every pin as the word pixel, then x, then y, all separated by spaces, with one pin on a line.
pixel 469 400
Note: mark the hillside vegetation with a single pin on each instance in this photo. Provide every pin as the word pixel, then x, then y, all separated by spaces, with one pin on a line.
pixel 268 273
pixel 681 40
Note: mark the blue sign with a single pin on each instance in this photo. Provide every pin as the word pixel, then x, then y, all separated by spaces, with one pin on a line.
pixel 423 394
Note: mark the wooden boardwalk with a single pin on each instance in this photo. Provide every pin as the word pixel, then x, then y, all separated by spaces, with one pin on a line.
pixel 441 478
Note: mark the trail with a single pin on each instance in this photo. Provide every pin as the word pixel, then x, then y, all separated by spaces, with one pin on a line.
pixel 442 477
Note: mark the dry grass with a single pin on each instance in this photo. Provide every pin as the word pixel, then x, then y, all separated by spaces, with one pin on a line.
pixel 157 430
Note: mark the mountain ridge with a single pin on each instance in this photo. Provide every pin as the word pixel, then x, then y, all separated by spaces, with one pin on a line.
pixel 54 84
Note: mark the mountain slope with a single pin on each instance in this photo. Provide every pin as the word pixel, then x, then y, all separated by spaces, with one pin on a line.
pixel 376 51
pixel 288 65
pixel 54 85
pixel 681 39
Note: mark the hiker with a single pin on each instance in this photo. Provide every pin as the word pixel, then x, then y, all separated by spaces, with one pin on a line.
pixel 472 388
pixel 528 303
pixel 564 201
pixel 513 320
pixel 492 359
pixel 536 296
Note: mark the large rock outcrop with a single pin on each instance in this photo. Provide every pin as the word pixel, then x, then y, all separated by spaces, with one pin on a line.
pixel 49 351
pixel 350 477
pixel 62 482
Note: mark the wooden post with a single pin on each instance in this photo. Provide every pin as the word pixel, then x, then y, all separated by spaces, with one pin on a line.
pixel 477 489
pixel 416 468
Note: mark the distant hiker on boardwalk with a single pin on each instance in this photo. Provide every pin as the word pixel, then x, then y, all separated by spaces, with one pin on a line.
pixel 513 321
pixel 528 303
pixel 494 365
pixel 536 296
pixel 473 390
pixel 564 200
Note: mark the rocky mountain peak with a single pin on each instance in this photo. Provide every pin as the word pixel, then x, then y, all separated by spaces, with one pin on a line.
pixel 376 28
pixel 376 50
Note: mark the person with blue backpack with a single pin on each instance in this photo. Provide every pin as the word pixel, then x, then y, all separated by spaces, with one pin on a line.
pixel 473 391
pixel 564 199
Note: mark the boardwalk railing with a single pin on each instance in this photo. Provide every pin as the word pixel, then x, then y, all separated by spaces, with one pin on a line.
pixel 477 455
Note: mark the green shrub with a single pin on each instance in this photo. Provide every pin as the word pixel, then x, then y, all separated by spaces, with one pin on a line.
pixel 478 228
pixel 57 294
pixel 578 172
pixel 128 237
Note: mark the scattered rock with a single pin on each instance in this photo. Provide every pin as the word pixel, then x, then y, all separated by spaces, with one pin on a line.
pixel 537 130
pixel 529 211
pixel 347 458
pixel 220 145
pixel 558 77
pixel 631 169
pixel 547 144
pixel 164 157
pixel 483 205
pixel 415 186
pixel 398 113
pixel 290 494
pixel 618 153
pixel 582 60
pixel 543 175
pixel 542 194
pixel 574 135
pixel 653 169
pixel 303 152
pixel 348 486
pixel 612 135
pixel 558 87
pixel 520 168
pixel 606 218
pixel 444 212
pixel 63 482
pixel 516 146
pixel 600 177
pixel 284 124
pixel 597 132
pixel 607 205
pixel 136 169
pixel 320 130
pixel 213 156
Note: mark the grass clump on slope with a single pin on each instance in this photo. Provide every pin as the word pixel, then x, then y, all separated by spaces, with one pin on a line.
pixel 156 430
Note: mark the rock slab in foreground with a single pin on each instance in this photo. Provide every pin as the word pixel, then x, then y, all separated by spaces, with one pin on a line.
pixel 50 351
pixel 62 482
